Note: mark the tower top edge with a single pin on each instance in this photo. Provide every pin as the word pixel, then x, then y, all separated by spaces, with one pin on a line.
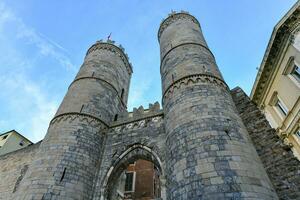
pixel 174 16
pixel 113 47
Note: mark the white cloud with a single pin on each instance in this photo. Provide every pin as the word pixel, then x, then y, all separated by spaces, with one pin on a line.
pixel 32 108
pixel 26 102
pixel 137 93
pixel 46 46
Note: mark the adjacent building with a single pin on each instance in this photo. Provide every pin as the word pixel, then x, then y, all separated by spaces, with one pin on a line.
pixel 11 141
pixel 276 90
pixel 206 142
pixel 140 181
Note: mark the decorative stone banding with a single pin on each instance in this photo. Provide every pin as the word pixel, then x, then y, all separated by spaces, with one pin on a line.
pixel 114 49
pixel 192 79
pixel 73 115
pixel 174 17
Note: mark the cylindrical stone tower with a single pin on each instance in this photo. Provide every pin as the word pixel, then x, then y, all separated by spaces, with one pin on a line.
pixel 70 155
pixel 209 153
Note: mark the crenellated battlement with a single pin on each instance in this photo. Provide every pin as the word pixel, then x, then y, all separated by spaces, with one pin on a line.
pixel 112 47
pixel 137 114
pixel 174 16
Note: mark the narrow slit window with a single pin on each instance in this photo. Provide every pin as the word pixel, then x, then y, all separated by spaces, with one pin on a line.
pixel 116 117
pixel 63 175
pixel 122 94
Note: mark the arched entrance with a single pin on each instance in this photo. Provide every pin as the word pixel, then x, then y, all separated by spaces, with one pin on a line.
pixel 137 174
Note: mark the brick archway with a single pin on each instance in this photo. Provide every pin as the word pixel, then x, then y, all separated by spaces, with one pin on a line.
pixel 131 154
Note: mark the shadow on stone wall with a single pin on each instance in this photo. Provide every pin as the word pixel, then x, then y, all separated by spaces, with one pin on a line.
pixel 281 165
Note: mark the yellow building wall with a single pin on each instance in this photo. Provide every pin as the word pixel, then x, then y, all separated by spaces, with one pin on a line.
pixel 11 143
pixel 288 89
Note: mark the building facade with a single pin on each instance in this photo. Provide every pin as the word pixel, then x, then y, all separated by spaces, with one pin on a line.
pixel 277 87
pixel 139 181
pixel 201 144
pixel 11 141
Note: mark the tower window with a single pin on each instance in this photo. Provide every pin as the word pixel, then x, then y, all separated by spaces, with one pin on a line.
pixel 116 117
pixel 122 94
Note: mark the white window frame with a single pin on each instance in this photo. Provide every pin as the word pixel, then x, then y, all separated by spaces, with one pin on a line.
pixel 297 71
pixel 297 133
pixel 279 106
pixel 133 182
pixel 289 70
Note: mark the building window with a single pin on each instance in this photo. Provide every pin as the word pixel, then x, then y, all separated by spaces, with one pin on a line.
pixel 296 72
pixel 298 134
pixel 21 143
pixel 281 107
pixel 292 70
pixel 116 117
pixel 278 104
pixel 129 182
pixel 4 137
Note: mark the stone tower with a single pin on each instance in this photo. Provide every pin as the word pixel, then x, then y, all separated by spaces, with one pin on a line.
pixel 198 144
pixel 69 157
pixel 209 153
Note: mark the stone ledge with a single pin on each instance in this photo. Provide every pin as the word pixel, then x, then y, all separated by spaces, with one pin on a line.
pixel 119 51
pixel 174 17
pixel 138 114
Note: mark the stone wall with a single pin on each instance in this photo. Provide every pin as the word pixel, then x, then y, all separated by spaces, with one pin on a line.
pixel 209 154
pixel 70 154
pixel 139 135
pixel 13 167
pixel 281 165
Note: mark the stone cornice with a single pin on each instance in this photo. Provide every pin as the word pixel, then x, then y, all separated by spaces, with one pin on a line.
pixel 174 17
pixel 281 37
pixel 83 116
pixel 194 79
pixel 100 79
pixel 114 49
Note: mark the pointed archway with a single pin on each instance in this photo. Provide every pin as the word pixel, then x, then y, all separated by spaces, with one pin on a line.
pixel 132 154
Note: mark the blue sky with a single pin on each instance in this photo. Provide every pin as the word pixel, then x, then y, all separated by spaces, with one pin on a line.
pixel 43 43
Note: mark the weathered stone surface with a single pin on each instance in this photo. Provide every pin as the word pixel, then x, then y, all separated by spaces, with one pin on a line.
pixel 69 157
pixel 198 141
pixel 141 138
pixel 281 165
pixel 208 151
pixel 13 167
